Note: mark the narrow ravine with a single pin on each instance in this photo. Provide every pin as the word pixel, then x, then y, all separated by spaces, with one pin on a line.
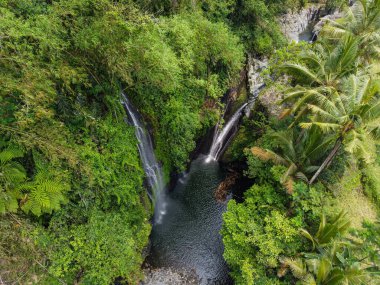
pixel 185 239
pixel 185 243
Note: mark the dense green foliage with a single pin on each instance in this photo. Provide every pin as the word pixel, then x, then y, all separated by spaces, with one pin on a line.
pixel 67 158
pixel 254 21
pixel 332 259
pixel 68 162
pixel 73 205
pixel 304 167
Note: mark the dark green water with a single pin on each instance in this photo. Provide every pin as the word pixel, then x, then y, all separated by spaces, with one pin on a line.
pixel 186 235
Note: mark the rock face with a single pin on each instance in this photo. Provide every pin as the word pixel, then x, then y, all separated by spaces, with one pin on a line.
pixel 319 25
pixel 255 67
pixel 298 25
pixel 305 25
pixel 255 81
pixel 270 99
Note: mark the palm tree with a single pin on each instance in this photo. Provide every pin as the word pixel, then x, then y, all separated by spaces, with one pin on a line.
pixel 298 154
pixel 328 231
pixel 331 261
pixel 325 65
pixel 353 116
pixel 361 21
pixel 319 73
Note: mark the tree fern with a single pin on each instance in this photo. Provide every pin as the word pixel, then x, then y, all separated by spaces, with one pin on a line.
pixel 44 194
pixel 12 175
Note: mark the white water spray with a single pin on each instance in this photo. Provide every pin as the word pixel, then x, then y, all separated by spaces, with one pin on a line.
pixel 221 137
pixel 152 168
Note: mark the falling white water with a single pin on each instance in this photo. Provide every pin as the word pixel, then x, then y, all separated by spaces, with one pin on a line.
pixel 152 168
pixel 221 137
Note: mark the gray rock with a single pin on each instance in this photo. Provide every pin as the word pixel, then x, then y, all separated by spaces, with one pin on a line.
pixel 169 276
pixel 294 23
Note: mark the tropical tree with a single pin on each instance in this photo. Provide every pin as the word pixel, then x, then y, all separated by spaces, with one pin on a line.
pixel 299 154
pixel 352 115
pixel 319 73
pixel 331 261
pixel 361 21
pixel 324 65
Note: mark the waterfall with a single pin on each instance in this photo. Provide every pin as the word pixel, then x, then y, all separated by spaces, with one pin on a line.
pixel 221 138
pixel 154 177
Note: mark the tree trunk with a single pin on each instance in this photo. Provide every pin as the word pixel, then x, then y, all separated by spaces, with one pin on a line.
pixel 327 161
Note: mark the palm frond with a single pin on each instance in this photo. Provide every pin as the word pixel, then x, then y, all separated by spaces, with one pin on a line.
pixel 268 155
pixel 286 112
pixel 328 231
pixel 324 268
pixel 307 235
pixel 324 127
pixel 297 266
pixel 361 144
pixel 289 185
pixel 302 176
pixel 326 115
pixel 301 71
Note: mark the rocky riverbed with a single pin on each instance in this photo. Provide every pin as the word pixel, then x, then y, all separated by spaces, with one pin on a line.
pixel 165 276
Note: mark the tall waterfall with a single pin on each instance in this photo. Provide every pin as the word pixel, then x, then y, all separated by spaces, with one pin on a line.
pixel 221 138
pixel 152 169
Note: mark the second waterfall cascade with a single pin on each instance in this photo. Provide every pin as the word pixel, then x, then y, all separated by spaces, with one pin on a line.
pixel 222 137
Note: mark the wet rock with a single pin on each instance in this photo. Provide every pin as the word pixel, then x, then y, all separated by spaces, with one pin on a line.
pixel 224 188
pixel 255 82
pixel 294 23
pixel 255 67
pixel 270 99
pixel 169 276
pixel 323 20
